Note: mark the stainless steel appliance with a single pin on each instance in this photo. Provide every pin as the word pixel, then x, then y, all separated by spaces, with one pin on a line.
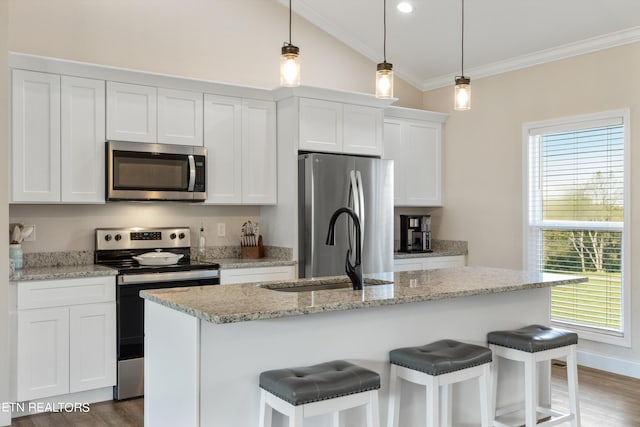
pixel 116 248
pixel 327 182
pixel 415 233
pixel 142 171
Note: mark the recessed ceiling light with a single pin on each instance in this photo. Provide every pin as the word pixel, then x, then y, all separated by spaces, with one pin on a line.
pixel 405 7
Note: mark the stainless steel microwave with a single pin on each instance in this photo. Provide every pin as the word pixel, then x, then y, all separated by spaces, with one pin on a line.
pixel 143 171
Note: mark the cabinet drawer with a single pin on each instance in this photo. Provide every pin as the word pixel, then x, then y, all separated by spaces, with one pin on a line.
pixel 259 274
pixel 53 293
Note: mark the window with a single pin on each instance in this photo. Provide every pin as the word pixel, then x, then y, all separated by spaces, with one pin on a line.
pixel 576 206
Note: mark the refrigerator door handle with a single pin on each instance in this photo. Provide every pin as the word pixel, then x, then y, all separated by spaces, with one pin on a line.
pixel 360 212
pixel 354 204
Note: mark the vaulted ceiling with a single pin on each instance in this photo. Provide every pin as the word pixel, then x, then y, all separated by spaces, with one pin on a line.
pixel 500 35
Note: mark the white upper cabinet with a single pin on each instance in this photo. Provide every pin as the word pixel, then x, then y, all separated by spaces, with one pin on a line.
pixel 179 117
pixel 83 140
pixel 320 125
pixel 35 137
pixel 259 179
pixel 413 139
pixel 58 137
pixel 131 112
pixel 223 141
pixel 240 136
pixel 148 114
pixel 334 127
pixel 362 132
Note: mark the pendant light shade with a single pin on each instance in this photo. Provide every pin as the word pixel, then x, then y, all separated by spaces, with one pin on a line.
pixel 384 70
pixel 384 80
pixel 462 91
pixel 290 61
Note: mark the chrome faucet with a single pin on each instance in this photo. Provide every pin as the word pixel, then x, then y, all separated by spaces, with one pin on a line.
pixel 354 271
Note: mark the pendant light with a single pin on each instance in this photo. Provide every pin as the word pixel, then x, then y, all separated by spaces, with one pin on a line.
pixel 290 61
pixel 384 72
pixel 462 92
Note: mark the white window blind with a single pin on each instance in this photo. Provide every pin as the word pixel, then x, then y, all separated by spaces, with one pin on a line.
pixel 576 218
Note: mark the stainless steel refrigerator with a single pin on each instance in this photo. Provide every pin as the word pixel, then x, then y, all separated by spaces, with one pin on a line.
pixel 327 182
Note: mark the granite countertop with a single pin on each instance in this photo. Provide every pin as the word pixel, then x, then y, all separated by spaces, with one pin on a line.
pixel 229 263
pixel 250 301
pixel 435 253
pixel 61 272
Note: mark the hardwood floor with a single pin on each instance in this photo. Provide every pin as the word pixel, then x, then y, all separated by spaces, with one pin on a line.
pixel 606 400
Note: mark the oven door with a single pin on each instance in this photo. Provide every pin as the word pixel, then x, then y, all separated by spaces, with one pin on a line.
pixel 130 329
pixel 141 171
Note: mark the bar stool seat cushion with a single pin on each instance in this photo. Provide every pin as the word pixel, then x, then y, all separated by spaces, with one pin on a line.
pixel 329 380
pixel 440 357
pixel 533 338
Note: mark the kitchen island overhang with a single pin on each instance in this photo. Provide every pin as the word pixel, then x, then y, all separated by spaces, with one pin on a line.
pixel 206 349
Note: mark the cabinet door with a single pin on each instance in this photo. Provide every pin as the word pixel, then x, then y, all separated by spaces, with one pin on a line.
pixel 35 137
pixel 421 159
pixel 223 140
pixel 92 346
pixel 42 353
pixel 82 140
pixel 259 180
pixel 259 274
pixel 320 125
pixel 179 117
pixel 362 133
pixel 131 112
pixel 393 150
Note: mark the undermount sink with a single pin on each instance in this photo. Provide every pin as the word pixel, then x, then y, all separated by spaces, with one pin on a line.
pixel 320 285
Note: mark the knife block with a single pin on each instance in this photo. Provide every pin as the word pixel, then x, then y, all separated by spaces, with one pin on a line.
pixel 253 252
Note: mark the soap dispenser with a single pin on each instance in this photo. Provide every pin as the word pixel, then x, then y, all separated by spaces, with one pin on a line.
pixel 202 243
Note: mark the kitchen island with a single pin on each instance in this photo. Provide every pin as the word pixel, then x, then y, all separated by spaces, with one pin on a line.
pixel 205 346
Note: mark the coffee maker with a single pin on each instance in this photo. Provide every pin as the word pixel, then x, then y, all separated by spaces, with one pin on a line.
pixel 415 233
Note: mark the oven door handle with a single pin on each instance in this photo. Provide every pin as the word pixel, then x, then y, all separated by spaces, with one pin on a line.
pixel 132 279
pixel 192 173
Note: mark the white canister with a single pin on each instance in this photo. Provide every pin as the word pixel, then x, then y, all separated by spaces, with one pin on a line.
pixel 15 253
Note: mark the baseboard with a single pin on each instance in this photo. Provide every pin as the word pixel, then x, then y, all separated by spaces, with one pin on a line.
pixel 609 364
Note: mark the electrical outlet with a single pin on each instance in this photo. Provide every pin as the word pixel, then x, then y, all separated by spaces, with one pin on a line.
pixel 31 237
pixel 222 229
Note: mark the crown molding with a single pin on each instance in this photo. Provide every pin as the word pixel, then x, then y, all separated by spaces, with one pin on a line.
pixel 594 44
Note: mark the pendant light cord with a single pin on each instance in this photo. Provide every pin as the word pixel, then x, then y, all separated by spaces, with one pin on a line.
pixel 289 22
pixel 384 26
pixel 462 55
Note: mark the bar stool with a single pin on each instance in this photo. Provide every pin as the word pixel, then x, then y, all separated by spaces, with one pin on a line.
pixel 532 344
pixel 439 364
pixel 319 389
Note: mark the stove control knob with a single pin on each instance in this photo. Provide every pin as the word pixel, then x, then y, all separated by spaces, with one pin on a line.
pixel 181 236
pixel 107 237
pixel 173 236
pixel 118 237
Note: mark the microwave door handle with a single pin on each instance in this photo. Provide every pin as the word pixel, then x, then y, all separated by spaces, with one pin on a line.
pixel 192 173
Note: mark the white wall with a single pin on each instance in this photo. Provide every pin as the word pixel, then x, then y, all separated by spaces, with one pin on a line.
pixel 483 178
pixel 5 417
pixel 222 40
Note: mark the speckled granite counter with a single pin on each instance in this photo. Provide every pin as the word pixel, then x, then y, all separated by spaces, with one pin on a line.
pixel 435 253
pixel 244 302
pixel 61 272
pixel 229 263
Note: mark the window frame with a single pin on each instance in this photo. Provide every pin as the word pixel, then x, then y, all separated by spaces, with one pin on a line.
pixel 531 229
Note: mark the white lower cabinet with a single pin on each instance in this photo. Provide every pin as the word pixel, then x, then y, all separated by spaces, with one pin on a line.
pixel 66 348
pixel 259 274
pixel 428 263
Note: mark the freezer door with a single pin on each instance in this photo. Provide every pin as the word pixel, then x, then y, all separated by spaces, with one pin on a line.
pixel 377 192
pixel 323 188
